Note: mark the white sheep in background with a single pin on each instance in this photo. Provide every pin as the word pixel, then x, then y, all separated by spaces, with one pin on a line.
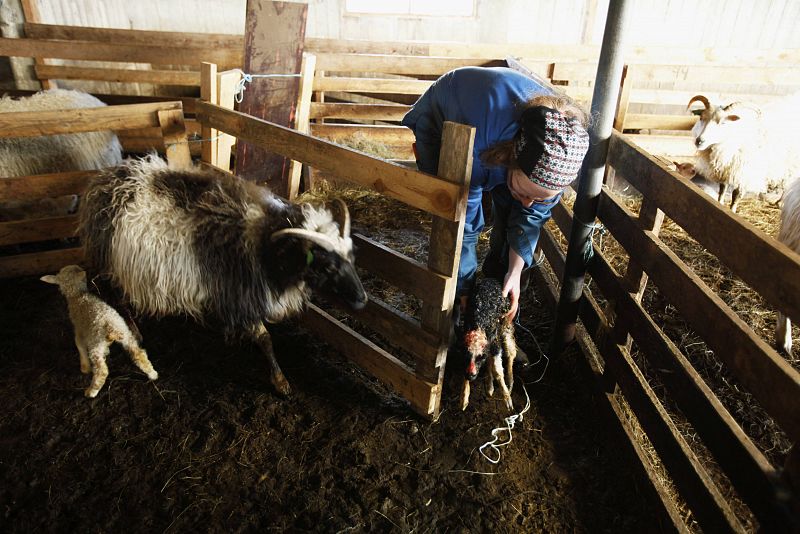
pixel 489 336
pixel 26 156
pixel 214 246
pixel 789 235
pixel 747 148
pixel 97 325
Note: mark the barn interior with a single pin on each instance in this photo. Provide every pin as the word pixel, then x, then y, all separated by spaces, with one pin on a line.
pixel 660 394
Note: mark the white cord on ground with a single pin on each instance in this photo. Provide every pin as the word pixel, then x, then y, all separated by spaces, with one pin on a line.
pixel 510 421
pixel 248 78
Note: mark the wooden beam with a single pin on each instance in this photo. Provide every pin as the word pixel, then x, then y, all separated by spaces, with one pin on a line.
pixel 371 85
pixel 94 51
pixel 307 68
pixel 395 64
pixel 208 93
pixel 33 230
pixel 389 135
pixel 26 188
pixel 161 77
pixel 33 123
pixel 414 188
pixel 39 262
pixel 176 144
pixel 384 112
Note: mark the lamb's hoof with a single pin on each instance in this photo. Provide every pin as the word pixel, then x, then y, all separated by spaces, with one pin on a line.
pixel 90 393
pixel 281 385
pixel 153 375
pixel 86 370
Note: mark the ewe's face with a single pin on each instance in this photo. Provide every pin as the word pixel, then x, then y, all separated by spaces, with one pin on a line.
pixel 718 124
pixel 334 275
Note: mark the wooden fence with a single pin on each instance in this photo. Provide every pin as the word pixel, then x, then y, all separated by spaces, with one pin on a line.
pixel 767 266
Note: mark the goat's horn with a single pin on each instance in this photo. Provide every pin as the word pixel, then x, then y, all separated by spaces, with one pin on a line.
pixel 341 215
pixel 320 239
pixel 698 98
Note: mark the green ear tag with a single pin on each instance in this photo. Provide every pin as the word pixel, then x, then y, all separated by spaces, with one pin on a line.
pixel 309 257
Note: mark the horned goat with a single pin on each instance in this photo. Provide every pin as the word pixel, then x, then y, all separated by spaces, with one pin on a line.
pixel 25 156
pixel 97 325
pixel 489 335
pixel 789 235
pixel 215 247
pixel 747 148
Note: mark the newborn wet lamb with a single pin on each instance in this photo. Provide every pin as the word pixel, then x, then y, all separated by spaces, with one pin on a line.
pixel 489 335
pixel 97 325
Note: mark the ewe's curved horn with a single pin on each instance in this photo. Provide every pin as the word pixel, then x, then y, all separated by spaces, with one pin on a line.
pixel 341 215
pixel 320 239
pixel 698 98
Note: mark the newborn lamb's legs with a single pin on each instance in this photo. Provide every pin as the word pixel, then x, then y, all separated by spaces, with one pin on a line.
pixel 86 367
pixel 128 340
pixel 497 372
pixel 510 349
pixel 264 341
pixel 97 355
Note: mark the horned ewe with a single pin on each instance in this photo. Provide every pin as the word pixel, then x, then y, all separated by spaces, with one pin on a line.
pixel 489 335
pixel 789 235
pixel 215 247
pixel 97 325
pixel 26 156
pixel 747 148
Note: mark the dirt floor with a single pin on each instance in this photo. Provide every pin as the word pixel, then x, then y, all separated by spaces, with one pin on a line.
pixel 210 447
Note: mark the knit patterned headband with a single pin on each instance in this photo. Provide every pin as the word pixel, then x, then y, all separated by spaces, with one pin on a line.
pixel 549 147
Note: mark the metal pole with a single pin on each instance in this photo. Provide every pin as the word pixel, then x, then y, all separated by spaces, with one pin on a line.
pixel 604 102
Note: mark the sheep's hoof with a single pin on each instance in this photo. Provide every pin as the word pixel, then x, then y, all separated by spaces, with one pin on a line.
pixel 465 395
pixel 281 385
pixel 91 393
pixel 153 375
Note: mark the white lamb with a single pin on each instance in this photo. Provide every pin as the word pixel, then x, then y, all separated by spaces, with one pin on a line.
pixel 25 156
pixel 746 147
pixel 97 325
pixel 789 235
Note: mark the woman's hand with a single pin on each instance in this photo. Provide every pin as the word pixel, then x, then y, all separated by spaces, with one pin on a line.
pixel 511 282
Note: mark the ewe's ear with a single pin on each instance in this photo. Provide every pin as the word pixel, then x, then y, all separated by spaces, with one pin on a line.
pixel 49 278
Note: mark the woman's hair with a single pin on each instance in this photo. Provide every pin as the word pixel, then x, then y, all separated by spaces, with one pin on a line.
pixel 502 154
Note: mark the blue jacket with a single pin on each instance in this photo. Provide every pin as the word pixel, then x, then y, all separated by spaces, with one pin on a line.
pixel 490 99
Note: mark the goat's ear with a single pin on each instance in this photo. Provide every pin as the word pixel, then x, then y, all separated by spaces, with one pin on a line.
pixel 49 278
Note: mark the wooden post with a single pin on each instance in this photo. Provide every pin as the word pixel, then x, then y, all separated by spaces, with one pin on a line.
pixel 444 253
pixel 173 130
pixel 301 117
pixel 273 44
pixel 208 93
pixel 226 93
pixel 31 12
pixel 624 99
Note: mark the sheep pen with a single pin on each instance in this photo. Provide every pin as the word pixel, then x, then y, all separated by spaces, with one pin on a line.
pixel 210 445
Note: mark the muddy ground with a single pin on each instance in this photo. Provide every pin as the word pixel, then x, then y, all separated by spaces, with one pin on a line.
pixel 210 447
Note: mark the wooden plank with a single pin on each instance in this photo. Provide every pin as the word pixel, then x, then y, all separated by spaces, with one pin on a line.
pixel 94 51
pixel 389 135
pixel 574 72
pixel 143 145
pixel 769 377
pixel 672 145
pixel 31 123
pixel 135 37
pixel 273 42
pixel 26 188
pixel 208 93
pixel 397 64
pixel 385 112
pixel 161 77
pixel 176 144
pixel 307 68
pixel 767 76
pixel 406 274
pixel 32 230
pixel 374 360
pixel 444 250
pixel 746 251
pixel 371 85
pixel 748 469
pixel 639 121
pixel 39 262
pixel 414 188
pixel 402 330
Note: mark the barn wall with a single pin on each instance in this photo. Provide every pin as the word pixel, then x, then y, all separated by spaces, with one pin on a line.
pixel 724 23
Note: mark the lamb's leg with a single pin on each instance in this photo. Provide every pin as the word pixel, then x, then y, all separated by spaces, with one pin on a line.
pixel 264 341
pixel 465 395
pixel 783 333
pixel 736 196
pixel 86 367
pixel 137 353
pixel 497 372
pixel 97 355
pixel 510 350
pixel 723 188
